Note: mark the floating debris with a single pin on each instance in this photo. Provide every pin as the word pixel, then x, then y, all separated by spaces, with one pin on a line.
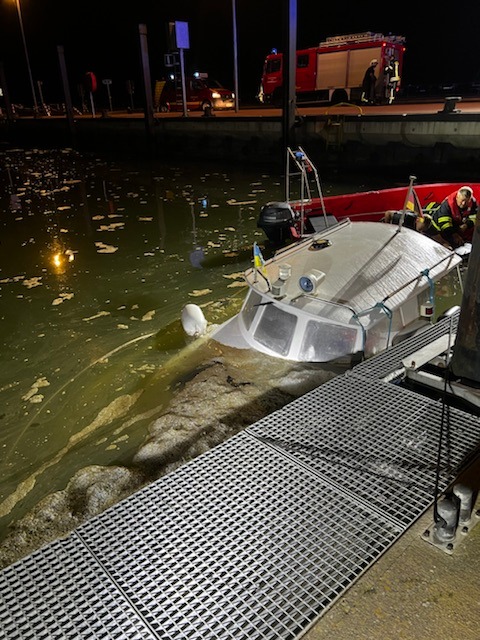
pixel 111 227
pixel 243 202
pixel 32 394
pixel 62 298
pixel 98 315
pixel 199 292
pixel 105 248
pixel 32 282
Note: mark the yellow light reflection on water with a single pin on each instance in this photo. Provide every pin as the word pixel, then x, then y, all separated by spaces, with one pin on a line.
pixel 57 260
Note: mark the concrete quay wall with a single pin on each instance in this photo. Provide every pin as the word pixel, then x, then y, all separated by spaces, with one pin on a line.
pixel 330 140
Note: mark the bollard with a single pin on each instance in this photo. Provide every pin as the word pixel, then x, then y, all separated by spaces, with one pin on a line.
pixel 445 528
pixel 450 105
pixel 465 495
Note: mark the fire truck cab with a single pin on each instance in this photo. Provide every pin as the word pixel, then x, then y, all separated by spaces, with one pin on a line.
pixel 334 70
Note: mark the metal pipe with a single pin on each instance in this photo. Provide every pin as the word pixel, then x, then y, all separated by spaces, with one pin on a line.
pixel 35 105
pixel 235 54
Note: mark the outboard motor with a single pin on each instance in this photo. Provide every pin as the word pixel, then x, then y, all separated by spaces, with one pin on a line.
pixel 276 219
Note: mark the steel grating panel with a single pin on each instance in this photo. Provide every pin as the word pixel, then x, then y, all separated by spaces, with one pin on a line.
pixel 60 592
pixel 375 440
pixel 240 544
pixel 391 360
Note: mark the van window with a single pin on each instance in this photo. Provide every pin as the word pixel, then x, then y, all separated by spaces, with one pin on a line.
pixel 273 66
pixel 213 84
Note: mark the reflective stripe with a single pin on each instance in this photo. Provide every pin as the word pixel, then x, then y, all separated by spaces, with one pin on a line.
pixel 444 222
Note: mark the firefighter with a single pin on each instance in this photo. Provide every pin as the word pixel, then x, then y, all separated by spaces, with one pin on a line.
pixel 453 221
pixel 369 82
pixel 391 79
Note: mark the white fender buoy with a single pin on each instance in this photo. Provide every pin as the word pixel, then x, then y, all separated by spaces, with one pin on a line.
pixel 193 320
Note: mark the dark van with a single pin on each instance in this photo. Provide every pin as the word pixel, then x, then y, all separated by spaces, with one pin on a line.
pixel 201 94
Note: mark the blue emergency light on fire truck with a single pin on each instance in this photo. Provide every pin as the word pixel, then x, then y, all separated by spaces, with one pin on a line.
pixel 333 71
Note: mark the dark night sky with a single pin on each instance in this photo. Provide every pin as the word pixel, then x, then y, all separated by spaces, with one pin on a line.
pixel 102 36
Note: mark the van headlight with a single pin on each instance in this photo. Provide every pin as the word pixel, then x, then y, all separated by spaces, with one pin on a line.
pixel 215 95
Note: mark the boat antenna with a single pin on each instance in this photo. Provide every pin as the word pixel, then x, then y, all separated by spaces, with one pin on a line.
pixel 409 204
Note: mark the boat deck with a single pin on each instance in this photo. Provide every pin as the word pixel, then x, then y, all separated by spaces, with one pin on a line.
pixel 259 536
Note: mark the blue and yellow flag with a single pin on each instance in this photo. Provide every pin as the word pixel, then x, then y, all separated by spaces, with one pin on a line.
pixel 411 205
pixel 411 202
pixel 258 261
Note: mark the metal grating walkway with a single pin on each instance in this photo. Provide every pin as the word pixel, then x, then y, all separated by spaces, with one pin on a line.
pixel 255 538
pixel 390 361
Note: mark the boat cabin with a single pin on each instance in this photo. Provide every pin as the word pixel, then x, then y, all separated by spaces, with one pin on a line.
pixel 353 288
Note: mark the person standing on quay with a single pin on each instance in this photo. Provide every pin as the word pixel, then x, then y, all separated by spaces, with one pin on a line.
pixel 369 82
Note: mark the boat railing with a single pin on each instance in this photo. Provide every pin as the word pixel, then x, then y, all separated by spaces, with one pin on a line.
pixel 381 306
pixel 309 179
pixel 425 273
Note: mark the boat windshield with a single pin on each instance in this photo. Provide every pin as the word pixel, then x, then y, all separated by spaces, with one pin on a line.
pixel 335 311
pixel 250 308
pixel 276 329
pixel 323 341
pixel 276 326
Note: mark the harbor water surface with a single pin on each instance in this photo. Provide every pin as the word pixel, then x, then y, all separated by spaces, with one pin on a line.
pixel 98 256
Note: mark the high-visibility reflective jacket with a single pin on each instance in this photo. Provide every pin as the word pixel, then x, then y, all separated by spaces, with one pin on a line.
pixel 448 217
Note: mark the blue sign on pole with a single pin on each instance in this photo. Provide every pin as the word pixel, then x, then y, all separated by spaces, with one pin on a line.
pixel 181 35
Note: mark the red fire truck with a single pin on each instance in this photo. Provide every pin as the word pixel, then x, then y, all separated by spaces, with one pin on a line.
pixel 334 70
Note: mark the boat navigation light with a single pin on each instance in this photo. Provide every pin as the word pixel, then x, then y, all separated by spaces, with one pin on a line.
pixel 427 310
pixel 278 287
pixel 309 282
pixel 284 271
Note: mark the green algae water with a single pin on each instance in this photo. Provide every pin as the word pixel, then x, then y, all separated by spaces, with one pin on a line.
pixel 97 260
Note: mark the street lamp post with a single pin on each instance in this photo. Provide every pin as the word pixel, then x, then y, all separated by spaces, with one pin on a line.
pixel 235 53
pixel 35 105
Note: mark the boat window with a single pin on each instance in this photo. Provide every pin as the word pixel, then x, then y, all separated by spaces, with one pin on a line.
pixel 323 342
pixel 276 328
pixel 250 308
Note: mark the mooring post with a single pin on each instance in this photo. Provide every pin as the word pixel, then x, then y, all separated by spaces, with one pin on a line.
pixel 466 351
